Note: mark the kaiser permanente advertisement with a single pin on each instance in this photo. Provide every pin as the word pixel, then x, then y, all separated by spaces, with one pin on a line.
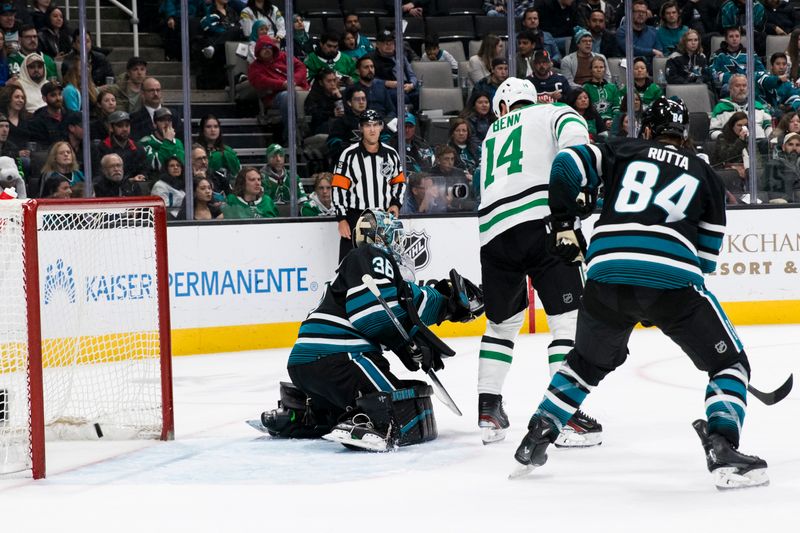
pixel 248 286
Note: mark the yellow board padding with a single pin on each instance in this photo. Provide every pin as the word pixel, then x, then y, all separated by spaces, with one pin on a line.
pixel 193 341
pixel 90 349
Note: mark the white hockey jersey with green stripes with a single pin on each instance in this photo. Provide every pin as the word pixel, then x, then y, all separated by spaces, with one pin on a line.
pixel 515 164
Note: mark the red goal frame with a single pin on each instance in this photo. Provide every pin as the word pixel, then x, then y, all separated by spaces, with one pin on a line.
pixel 31 241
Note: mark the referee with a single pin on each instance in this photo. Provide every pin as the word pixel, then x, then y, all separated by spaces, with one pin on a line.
pixel 368 175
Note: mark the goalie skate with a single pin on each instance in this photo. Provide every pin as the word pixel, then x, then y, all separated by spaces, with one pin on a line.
pixel 581 431
pixel 492 418
pixel 359 433
pixel 731 469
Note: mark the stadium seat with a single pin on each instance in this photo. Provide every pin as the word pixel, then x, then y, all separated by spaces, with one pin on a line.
pixel 455 48
pixel 369 27
pixel 615 69
pixel 450 28
pixel 365 7
pixel 659 64
pixel 696 96
pixel 716 40
pixel 235 65
pixel 433 73
pixel 486 25
pixel 316 26
pixel 449 100
pixel 776 43
pixel 317 8
pixel 466 7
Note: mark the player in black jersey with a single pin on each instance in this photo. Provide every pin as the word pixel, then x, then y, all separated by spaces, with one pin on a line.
pixel 337 365
pixel 660 230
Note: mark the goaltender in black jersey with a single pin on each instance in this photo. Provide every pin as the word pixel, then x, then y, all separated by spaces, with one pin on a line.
pixel 660 230
pixel 342 386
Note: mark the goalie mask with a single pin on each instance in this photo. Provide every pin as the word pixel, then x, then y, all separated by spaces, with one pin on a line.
pixel 379 227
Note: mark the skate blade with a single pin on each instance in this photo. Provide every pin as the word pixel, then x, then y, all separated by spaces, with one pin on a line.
pixel 729 479
pixel 492 435
pixel 345 438
pixel 521 471
pixel 568 438
pixel 257 425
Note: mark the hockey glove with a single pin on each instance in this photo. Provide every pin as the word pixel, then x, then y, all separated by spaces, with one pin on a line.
pixel 565 239
pixel 464 298
pixel 420 354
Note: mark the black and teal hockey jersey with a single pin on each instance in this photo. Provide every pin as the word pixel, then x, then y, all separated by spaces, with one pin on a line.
pixel 663 215
pixel 349 319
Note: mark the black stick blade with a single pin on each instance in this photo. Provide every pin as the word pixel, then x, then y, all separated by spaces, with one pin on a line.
pixel 771 398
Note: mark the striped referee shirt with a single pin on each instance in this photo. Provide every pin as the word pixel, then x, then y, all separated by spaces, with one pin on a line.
pixel 363 180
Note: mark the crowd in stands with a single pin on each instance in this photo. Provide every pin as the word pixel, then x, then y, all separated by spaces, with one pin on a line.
pixel 345 64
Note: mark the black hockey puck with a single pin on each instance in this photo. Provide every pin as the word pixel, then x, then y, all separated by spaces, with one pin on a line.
pixel 98 430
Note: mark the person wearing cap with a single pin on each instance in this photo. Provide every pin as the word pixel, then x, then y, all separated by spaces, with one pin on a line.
pixel 379 98
pixel 782 173
pixel 163 142
pixel 268 75
pixel 128 88
pixel 577 66
pixel 384 60
pixel 73 134
pixel 143 121
pixel 490 83
pixel 32 79
pixel 547 82
pixel 275 179
pixel 8 22
pixel 29 44
pixel 46 126
pixel 419 154
pixel 368 175
pixel 119 142
pixel 327 55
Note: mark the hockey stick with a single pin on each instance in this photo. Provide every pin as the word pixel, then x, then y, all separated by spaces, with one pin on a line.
pixel 441 392
pixel 771 398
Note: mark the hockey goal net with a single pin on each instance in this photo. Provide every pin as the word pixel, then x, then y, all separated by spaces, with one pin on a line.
pixel 84 325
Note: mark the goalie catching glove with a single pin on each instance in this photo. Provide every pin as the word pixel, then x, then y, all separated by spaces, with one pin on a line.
pixel 464 298
pixel 565 239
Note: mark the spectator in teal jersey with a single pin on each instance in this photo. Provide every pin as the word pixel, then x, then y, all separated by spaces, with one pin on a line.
pixel 670 30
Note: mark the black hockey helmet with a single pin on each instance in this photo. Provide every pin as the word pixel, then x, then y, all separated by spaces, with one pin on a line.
pixel 666 117
pixel 370 115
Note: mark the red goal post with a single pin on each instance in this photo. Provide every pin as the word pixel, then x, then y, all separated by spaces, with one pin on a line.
pixel 85 340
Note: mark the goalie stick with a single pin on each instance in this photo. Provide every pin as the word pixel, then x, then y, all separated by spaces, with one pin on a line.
pixel 771 398
pixel 441 392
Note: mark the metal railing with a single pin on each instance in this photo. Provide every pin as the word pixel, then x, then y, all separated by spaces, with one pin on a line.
pixel 132 12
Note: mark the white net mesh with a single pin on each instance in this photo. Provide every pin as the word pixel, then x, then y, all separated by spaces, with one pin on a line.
pixel 99 318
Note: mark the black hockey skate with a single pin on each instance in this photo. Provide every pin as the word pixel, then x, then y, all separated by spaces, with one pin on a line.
pixel 492 418
pixel 581 431
pixel 731 469
pixel 532 451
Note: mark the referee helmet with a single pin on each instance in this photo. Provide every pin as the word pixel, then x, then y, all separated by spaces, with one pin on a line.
pixel 370 115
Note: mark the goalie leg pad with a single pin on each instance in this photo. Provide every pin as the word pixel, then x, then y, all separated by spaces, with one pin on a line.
pixel 406 414
pixel 295 418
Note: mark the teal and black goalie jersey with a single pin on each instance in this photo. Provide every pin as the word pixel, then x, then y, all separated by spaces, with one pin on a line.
pixel 349 319
pixel 663 215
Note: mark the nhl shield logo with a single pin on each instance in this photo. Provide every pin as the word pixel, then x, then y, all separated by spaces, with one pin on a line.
pixel 416 246
pixel 567 297
pixel 721 347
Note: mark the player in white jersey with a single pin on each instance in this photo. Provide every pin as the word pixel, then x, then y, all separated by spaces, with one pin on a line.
pixel 515 169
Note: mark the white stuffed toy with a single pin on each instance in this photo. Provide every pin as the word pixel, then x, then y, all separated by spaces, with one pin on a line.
pixel 10 178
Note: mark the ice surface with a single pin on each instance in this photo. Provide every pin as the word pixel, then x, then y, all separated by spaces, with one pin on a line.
pixel 221 475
